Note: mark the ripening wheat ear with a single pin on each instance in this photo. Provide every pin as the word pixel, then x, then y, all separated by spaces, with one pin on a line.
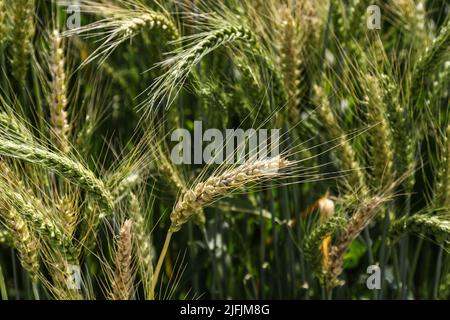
pixel 402 141
pixel 214 188
pixel 122 285
pixel 58 97
pixel 22 33
pixel 364 214
pixel 120 24
pixel 143 245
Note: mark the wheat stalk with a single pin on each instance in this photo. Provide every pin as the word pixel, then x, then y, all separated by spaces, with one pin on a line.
pixel 3 26
pixel 122 286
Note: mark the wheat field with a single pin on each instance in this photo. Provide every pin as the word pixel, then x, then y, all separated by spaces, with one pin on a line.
pixel 99 201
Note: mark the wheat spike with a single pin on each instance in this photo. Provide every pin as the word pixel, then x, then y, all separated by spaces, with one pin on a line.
pixel 66 167
pixel 204 193
pixel 22 33
pixel 359 220
pixel 122 286
pixel 58 99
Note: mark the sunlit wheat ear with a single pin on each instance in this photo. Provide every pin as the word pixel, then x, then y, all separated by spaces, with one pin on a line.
pixel 22 33
pixel 58 97
pixel 66 167
pixel 215 187
pixel 436 227
pixel 120 24
pixel 411 17
pixel 360 219
pixel 122 286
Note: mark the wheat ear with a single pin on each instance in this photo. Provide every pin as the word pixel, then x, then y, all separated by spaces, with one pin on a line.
pixel 143 243
pixel 345 152
pixel 443 176
pixel 122 286
pixel 25 243
pixel 58 102
pixel 22 33
pixel 290 59
pixel 3 29
pixel 66 167
pixel 360 219
pixel 434 226
pixel 204 193
pixel 213 188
